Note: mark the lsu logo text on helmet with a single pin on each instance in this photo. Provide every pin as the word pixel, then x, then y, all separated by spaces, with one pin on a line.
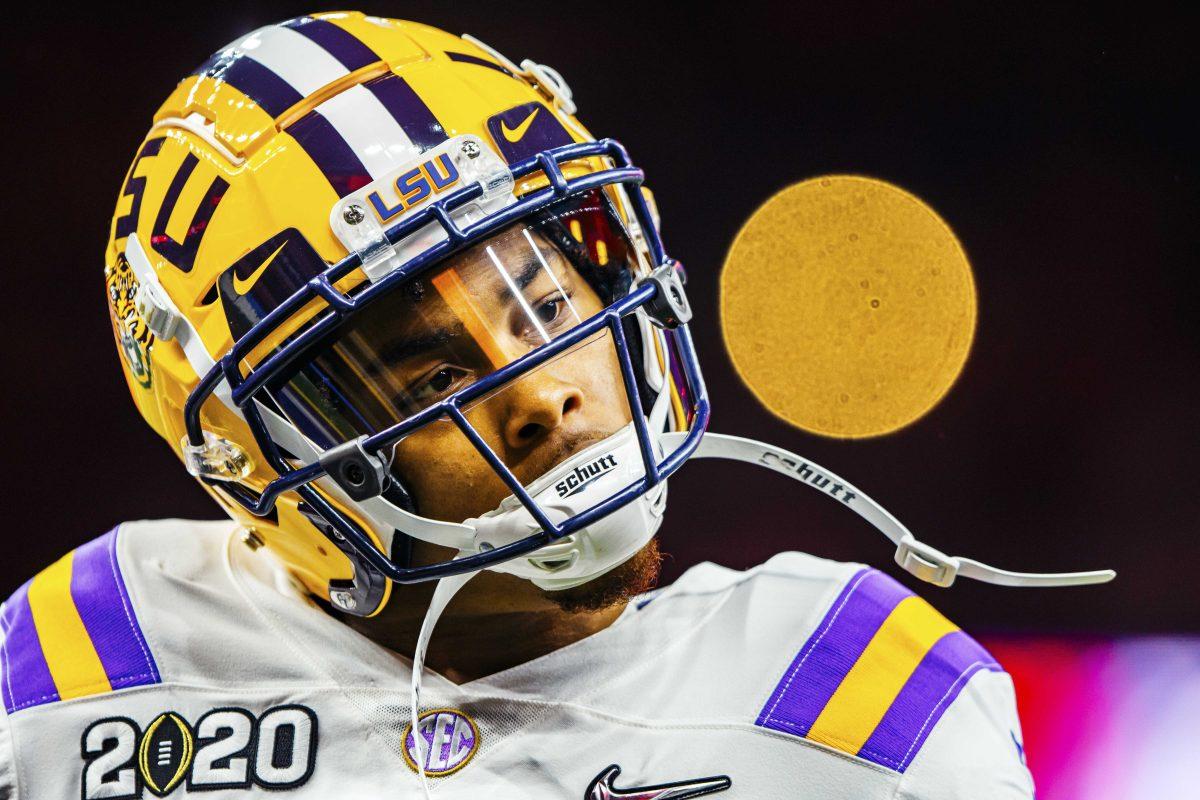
pixel 414 187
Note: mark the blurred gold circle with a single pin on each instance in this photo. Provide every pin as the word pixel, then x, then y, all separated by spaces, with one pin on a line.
pixel 847 306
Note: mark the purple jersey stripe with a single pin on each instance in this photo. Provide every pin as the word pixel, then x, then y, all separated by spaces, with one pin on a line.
pixel 329 151
pixel 926 695
pixel 99 594
pixel 339 43
pixel 467 58
pixel 821 665
pixel 24 673
pixel 409 110
pixel 272 93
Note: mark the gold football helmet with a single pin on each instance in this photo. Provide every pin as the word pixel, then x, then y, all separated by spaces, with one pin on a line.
pixel 342 231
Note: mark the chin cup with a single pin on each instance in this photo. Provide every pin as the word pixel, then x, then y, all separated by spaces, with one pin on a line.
pixel 571 488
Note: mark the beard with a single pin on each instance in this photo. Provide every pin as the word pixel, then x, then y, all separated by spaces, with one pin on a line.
pixel 636 576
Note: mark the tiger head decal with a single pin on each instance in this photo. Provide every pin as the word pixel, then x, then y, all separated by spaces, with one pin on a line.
pixel 133 335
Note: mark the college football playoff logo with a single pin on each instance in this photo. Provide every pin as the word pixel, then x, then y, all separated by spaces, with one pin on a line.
pixel 226 748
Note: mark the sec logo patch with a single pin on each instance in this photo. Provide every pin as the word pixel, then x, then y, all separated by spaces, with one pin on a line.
pixel 449 739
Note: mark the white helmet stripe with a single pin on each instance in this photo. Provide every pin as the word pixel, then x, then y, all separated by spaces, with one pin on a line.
pixel 370 130
pixel 295 58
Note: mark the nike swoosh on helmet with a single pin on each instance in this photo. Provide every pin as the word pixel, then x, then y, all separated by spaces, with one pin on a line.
pixel 515 135
pixel 242 286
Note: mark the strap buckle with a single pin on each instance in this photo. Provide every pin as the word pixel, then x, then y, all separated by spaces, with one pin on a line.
pixel 927 563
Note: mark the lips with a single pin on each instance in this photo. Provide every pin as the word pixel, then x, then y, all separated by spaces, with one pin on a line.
pixel 548 454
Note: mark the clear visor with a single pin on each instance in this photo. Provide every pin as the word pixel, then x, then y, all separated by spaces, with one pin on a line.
pixel 470 316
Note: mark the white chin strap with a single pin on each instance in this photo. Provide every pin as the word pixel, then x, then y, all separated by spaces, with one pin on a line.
pixel 610 465
pixel 443 593
pixel 925 562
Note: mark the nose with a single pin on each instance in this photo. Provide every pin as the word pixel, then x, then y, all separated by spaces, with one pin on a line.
pixel 539 403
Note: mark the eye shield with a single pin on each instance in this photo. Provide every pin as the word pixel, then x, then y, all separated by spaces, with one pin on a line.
pixel 462 320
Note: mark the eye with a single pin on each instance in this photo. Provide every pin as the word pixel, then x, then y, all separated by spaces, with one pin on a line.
pixel 549 309
pixel 442 380
pixel 438 383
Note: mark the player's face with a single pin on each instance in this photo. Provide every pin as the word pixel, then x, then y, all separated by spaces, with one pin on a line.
pixel 486 308
pixel 462 320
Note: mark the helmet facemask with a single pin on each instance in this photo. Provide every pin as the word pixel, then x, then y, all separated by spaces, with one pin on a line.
pixel 460 321
pixel 423 383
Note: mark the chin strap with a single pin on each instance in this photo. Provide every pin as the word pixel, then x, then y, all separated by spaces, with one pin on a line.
pixel 443 593
pixel 927 563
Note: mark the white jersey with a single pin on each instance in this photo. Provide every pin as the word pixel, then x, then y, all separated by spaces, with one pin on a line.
pixel 167 659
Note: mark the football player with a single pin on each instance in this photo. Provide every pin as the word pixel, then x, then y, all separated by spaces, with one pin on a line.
pixel 414 329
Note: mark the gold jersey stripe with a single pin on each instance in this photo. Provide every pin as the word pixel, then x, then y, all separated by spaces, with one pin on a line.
pixel 72 658
pixel 878 675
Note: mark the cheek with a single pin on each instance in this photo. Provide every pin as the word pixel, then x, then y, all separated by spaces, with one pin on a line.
pixel 448 478
pixel 597 372
pixel 452 482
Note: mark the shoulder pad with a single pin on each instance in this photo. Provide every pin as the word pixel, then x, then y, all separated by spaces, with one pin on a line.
pixel 71 631
pixel 876 674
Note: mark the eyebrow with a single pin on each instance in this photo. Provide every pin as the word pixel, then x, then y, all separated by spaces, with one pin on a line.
pixel 409 347
pixel 526 276
pixel 394 354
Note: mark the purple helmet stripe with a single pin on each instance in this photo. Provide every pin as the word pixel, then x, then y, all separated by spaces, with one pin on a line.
pixel 467 58
pixel 819 668
pixel 99 594
pixel 409 110
pixel 329 151
pixel 183 254
pixel 926 695
pixel 338 42
pixel 272 93
pixel 134 186
pixel 24 673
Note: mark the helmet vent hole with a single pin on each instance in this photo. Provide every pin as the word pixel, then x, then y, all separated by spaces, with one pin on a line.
pixel 209 297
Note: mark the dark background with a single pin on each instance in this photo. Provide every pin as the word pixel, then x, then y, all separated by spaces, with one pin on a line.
pixel 1058 144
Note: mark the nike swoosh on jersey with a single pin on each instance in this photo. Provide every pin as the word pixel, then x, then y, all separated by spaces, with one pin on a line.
pixel 515 135
pixel 242 286
pixel 602 788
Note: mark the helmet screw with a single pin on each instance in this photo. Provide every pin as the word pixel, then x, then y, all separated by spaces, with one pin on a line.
pixel 353 214
pixel 355 474
pixel 470 149
pixel 343 600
